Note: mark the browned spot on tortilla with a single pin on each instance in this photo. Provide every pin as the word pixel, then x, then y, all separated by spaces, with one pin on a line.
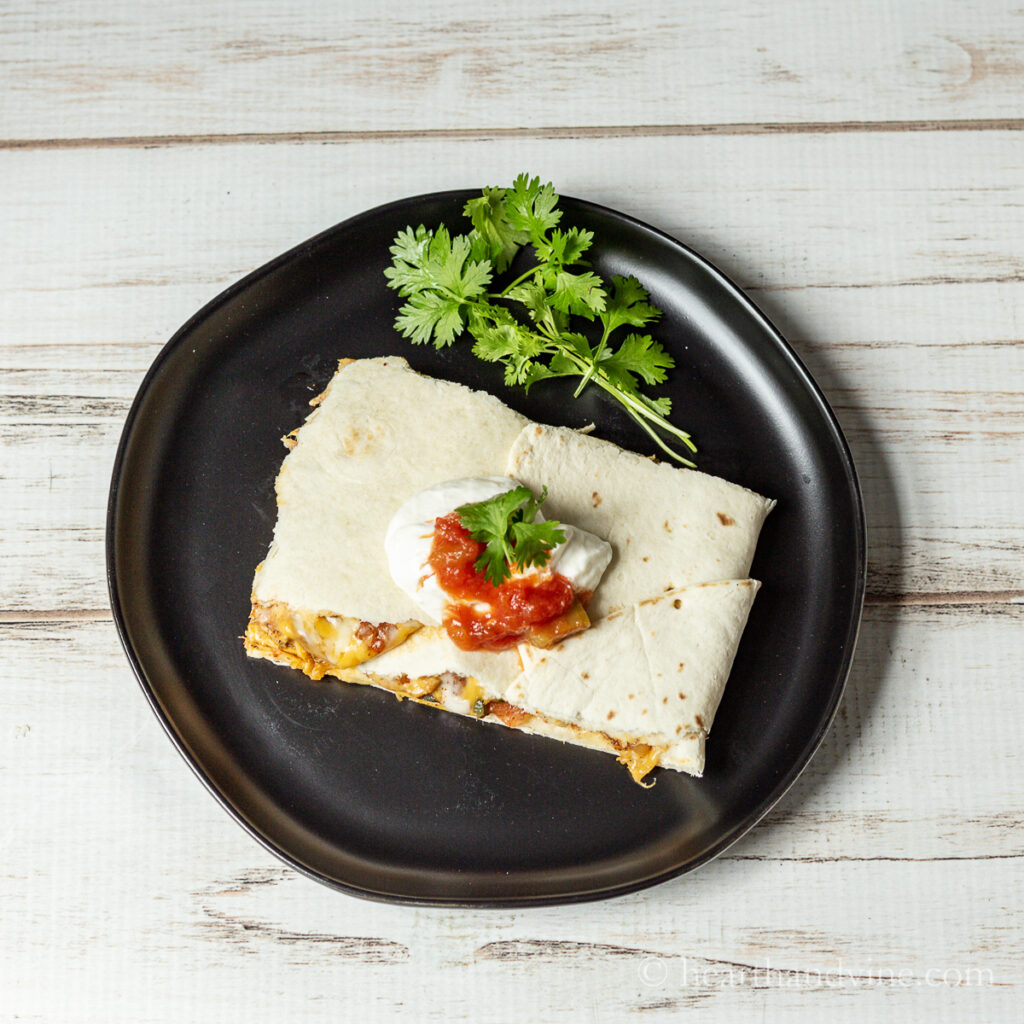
pixel 644 712
pixel 632 695
pixel 611 715
pixel 677 603
pixel 664 700
pixel 586 675
pixel 682 696
pixel 699 721
pixel 538 431
pixel 627 542
pixel 359 442
pixel 646 558
pixel 679 729
pixel 725 520
pixel 682 665
pixel 667 527
pixel 596 499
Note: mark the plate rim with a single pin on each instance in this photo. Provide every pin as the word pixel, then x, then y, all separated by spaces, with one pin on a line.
pixel 777 791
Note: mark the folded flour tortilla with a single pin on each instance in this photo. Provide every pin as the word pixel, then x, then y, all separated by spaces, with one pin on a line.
pixel 642 683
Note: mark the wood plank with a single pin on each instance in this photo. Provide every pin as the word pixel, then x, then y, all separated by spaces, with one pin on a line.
pixel 921 373
pixel 102 69
pixel 882 870
pixel 454 135
pixel 774 212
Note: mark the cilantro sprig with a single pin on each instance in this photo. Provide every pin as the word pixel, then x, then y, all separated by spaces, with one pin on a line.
pixel 505 524
pixel 448 282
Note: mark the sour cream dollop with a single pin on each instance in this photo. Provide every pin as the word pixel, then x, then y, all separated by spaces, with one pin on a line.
pixel 582 558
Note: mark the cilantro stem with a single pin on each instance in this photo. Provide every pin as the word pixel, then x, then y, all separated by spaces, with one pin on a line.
pixel 660 420
pixel 643 410
pixel 597 356
pixel 519 280
pixel 636 409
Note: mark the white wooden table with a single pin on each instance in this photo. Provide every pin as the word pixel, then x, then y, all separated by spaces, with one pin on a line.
pixel 858 168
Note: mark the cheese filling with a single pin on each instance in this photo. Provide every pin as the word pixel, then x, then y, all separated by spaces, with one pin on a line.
pixel 317 644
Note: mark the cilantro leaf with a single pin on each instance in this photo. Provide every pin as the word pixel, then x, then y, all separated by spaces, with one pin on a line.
pixel 430 316
pixel 530 207
pixel 447 263
pixel 512 344
pixel 504 524
pixel 639 354
pixel 500 240
pixel 409 253
pixel 532 542
pixel 565 247
pixel 537 301
pixel 425 260
pixel 628 305
pixel 533 295
pixel 576 293
pixel 578 344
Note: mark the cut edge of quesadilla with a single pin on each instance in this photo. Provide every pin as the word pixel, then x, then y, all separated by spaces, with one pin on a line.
pixel 657 669
pixel 318 643
pixel 468 696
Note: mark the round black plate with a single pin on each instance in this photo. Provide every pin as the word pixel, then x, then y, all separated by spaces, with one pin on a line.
pixel 396 801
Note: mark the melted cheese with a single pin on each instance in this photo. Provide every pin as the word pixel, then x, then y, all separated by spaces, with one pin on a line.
pixel 318 644
pixel 640 759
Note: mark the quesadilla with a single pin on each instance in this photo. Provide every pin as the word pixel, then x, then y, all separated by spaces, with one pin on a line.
pixel 643 682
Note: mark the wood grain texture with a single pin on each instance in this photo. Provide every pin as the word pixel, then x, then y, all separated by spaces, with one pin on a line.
pixel 915 336
pixel 776 212
pixel 96 68
pixel 848 895
pixel 858 170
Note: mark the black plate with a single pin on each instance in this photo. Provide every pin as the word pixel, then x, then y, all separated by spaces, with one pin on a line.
pixel 395 801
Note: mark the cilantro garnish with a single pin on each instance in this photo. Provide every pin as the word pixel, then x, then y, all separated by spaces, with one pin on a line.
pixel 447 281
pixel 505 524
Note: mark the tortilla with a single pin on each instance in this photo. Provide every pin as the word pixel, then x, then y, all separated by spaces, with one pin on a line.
pixel 668 527
pixel 380 433
pixel 653 672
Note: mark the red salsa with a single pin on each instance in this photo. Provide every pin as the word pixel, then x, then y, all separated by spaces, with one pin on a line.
pixel 513 608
